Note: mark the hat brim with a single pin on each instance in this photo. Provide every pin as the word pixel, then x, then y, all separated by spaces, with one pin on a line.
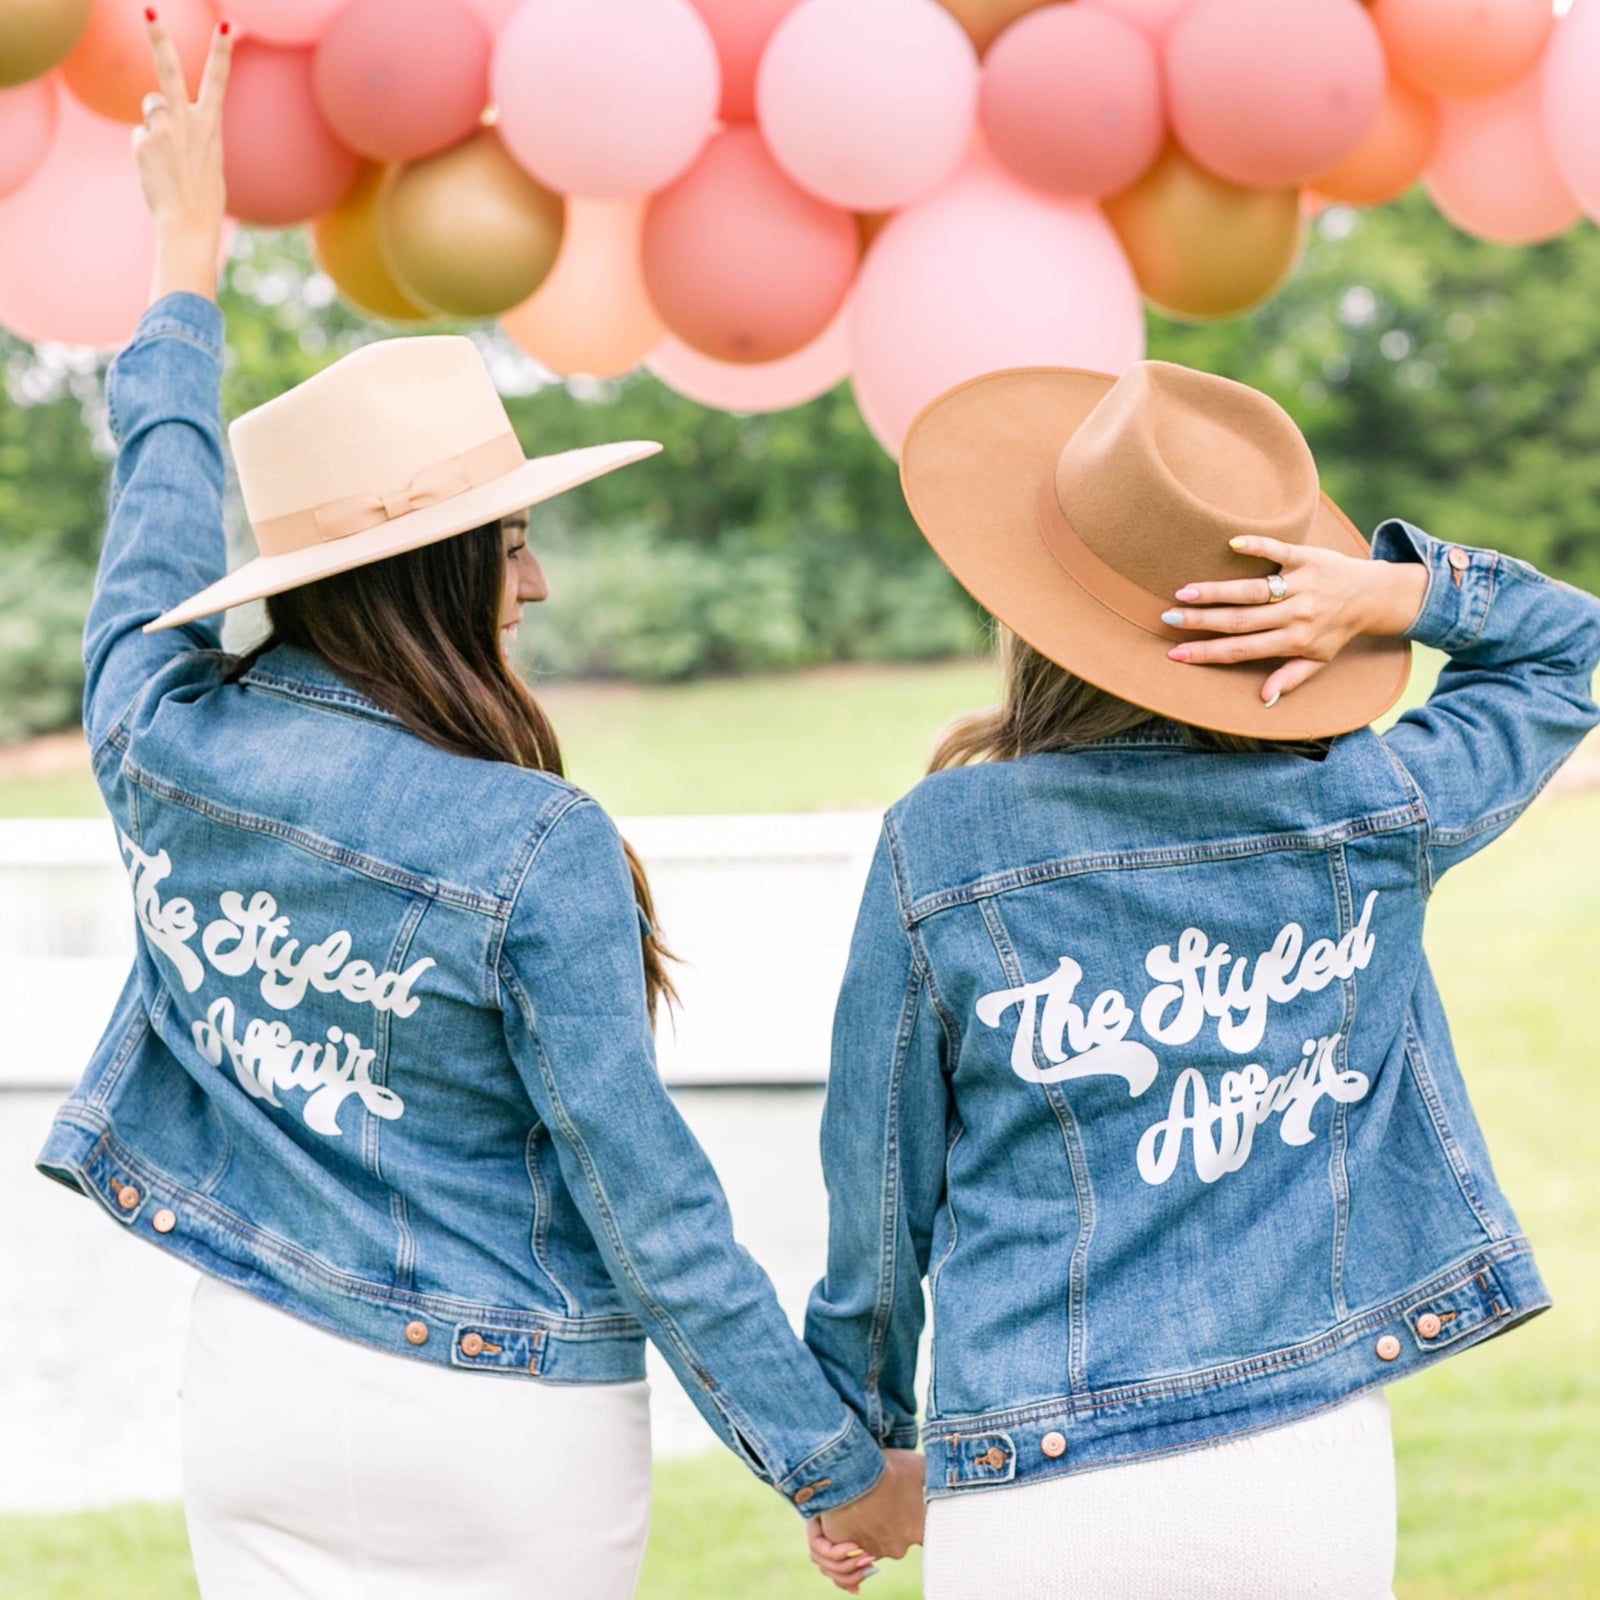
pixel 971 469
pixel 541 478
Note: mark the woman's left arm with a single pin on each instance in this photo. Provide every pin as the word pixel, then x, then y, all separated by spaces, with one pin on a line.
pixel 163 537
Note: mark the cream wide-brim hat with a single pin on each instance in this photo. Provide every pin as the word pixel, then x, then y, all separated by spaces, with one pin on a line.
pixel 397 445
pixel 1072 505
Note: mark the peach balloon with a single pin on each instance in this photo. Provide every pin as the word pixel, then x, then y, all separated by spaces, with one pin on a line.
pixel 402 79
pixel 37 36
pixel 77 243
pixel 468 233
pixel 741 29
pixel 757 386
pixel 1494 174
pixel 1450 48
pixel 1153 18
pixel 111 70
pixel 1266 94
pixel 983 275
pixel 344 243
pixel 741 263
pixel 1393 154
pixel 985 20
pixel 869 104
pixel 592 314
pixel 1201 247
pixel 1571 75
pixel 606 98
pixel 285 22
pixel 1072 100
pixel 280 159
pixel 27 122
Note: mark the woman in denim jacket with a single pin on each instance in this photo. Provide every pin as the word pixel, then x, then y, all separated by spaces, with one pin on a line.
pixel 1138 1062
pixel 384 1062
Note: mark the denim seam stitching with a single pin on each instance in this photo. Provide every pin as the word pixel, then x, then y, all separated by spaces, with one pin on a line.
pixel 1421 1069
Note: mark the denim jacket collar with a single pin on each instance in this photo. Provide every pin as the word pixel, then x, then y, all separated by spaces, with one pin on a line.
pixel 289 669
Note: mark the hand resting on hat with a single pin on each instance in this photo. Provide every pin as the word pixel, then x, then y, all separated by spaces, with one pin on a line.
pixel 1328 600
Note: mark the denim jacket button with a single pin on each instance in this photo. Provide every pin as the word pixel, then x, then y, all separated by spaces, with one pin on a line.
pixel 1459 559
pixel 128 1197
pixel 1053 1445
pixel 1428 1325
pixel 801 1496
pixel 164 1221
pixel 1388 1347
pixel 472 1344
pixel 994 1458
pixel 416 1333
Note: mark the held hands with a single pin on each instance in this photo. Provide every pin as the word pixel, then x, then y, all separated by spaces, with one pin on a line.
pixel 178 152
pixel 886 1521
pixel 1327 600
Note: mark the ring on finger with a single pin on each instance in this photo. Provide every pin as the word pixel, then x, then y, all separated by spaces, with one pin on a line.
pixel 151 104
pixel 1276 587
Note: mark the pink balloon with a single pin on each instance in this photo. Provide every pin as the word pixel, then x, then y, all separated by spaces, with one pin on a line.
pixel 592 314
pixel 869 104
pixel 1572 71
pixel 283 21
pixel 606 98
pixel 1267 94
pixel 759 386
pixel 741 29
pixel 1494 174
pixel 27 120
pixel 742 264
pixel 494 14
pixel 402 79
pixel 986 274
pixel 1153 18
pixel 1072 100
pixel 281 161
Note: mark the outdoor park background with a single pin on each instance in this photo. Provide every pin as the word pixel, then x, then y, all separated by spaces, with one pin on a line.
pixel 778 639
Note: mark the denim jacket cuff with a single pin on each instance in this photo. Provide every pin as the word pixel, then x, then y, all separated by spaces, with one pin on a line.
pixel 1460 584
pixel 841 1471
pixel 185 315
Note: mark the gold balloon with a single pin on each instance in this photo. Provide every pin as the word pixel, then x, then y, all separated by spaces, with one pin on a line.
pixel 1202 247
pixel 344 242
pixel 36 35
pixel 986 20
pixel 468 232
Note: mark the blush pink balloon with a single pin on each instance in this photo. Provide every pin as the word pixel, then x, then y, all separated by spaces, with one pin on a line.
pixel 741 29
pixel 606 98
pixel 869 104
pixel 1153 18
pixel 983 275
pixel 592 314
pixel 27 121
pixel 285 22
pixel 77 243
pixel 1267 94
pixel 758 386
pixel 280 159
pixel 402 79
pixel 1494 174
pixel 1572 71
pixel 1071 100
pixel 494 14
pixel 741 263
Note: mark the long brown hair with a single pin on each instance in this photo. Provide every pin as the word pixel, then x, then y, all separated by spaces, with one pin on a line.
pixel 419 633
pixel 1045 707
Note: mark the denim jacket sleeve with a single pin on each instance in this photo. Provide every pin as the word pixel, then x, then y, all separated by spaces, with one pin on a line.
pixel 572 984
pixel 883 1158
pixel 164 539
pixel 1512 702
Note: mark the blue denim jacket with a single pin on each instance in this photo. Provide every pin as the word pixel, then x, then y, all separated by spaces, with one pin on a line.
pixel 1138 1062
pixel 383 1058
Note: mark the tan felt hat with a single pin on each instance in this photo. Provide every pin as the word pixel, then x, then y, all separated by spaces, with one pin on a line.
pixel 396 445
pixel 1073 505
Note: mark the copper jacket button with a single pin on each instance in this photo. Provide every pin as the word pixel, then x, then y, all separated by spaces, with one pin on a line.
pixel 1388 1347
pixel 416 1333
pixel 164 1221
pixel 128 1197
pixel 1053 1445
pixel 1459 560
pixel 472 1344
pixel 1428 1325
pixel 801 1496
pixel 994 1457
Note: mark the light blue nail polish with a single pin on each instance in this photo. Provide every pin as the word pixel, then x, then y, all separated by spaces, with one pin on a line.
pixel 871 1572
pixel 1172 618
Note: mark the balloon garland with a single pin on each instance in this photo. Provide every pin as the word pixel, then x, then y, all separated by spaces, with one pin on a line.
pixel 755 198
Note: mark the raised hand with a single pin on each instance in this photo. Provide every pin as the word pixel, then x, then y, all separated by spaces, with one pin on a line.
pixel 1323 601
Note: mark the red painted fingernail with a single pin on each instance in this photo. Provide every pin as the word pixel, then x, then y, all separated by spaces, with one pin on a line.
pixel 225 27
pixel 149 14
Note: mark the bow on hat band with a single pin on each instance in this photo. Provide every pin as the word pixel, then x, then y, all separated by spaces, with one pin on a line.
pixel 441 480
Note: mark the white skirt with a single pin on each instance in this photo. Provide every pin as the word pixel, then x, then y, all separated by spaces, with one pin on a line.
pixel 1302 1511
pixel 319 1468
